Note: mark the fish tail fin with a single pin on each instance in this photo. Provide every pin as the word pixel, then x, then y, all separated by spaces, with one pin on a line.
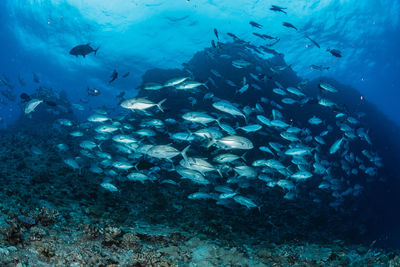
pixel 212 142
pixel 159 104
pixel 99 146
pixel 136 166
pixel 218 120
pixel 219 172
pixel 184 153
pixel 243 156
pixel 95 51
pixel 205 85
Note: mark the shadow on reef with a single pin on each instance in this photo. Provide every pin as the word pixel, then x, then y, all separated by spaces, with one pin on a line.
pixel 35 179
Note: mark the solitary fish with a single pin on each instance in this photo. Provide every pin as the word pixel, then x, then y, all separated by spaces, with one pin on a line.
pixel 31 105
pixel 113 76
pixel 289 25
pixel 83 50
pixel 278 9
pixel 314 42
pixel 141 104
pixel 216 33
pixel 335 52
pixel 255 24
pixel 319 67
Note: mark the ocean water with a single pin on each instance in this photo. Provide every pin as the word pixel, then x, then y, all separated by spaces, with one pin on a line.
pixel 199 133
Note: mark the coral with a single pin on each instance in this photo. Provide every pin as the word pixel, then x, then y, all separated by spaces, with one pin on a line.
pixel 12 234
pixel 37 233
pixel 47 216
pixel 111 235
pixel 46 251
pixel 151 259
pixel 91 231
pixel 130 240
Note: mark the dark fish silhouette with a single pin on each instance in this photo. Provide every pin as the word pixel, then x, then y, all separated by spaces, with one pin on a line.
pixel 113 76
pixel 335 52
pixel 289 25
pixel 255 24
pixel 213 44
pixel 21 81
pixel 121 95
pixel 319 67
pixel 50 103
pixel 314 42
pixel 264 36
pixel 83 50
pixel 216 33
pixel 36 78
pixel 126 75
pixel 278 9
pixel 235 38
pixel 25 97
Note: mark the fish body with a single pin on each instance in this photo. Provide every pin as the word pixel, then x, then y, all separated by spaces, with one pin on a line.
pixel 31 105
pixel 335 52
pixel 278 9
pixel 83 50
pixel 336 146
pixel 235 142
pixel 255 24
pixel 141 104
pixel 228 107
pixel 289 25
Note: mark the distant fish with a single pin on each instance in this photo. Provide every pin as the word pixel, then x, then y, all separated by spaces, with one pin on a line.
pixel 35 78
pixel 83 50
pixel 21 81
pixel 31 105
pixel 314 42
pixel 121 95
pixel 233 36
pixel 113 76
pixel 25 97
pixel 319 67
pixel 216 33
pixel 265 36
pixel 278 9
pixel 255 24
pixel 289 25
pixel 50 103
pixel 335 52
pixel 126 74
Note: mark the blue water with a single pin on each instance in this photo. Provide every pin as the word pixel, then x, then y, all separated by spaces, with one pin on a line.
pixel 138 36
pixel 133 35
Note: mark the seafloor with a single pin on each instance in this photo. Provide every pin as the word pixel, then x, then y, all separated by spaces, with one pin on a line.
pixel 50 216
